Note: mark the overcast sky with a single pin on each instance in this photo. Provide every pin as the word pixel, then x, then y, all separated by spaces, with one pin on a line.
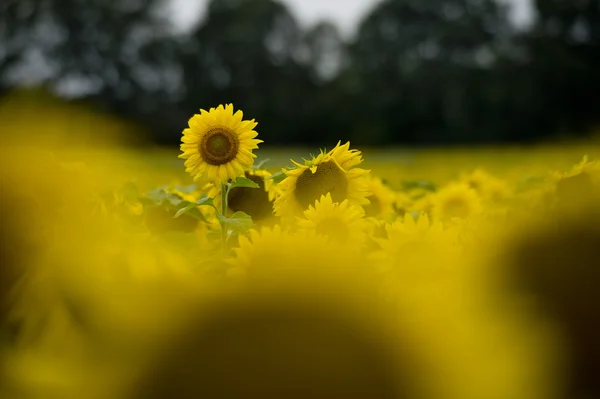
pixel 345 13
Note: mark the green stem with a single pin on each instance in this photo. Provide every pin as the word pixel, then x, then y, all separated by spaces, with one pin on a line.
pixel 224 205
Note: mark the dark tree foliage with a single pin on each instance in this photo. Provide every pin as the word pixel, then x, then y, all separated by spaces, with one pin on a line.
pixel 416 72
pixel 427 62
pixel 245 53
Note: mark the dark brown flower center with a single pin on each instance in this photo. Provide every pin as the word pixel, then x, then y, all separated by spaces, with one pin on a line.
pixel 328 178
pixel 219 146
pixel 254 201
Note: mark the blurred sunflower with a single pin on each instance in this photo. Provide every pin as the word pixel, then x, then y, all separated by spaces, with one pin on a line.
pixel 489 187
pixel 339 222
pixel 572 188
pixel 269 250
pixel 261 245
pixel 218 145
pixel 554 264
pixel 455 200
pixel 258 203
pixel 422 204
pixel 416 239
pixel 402 203
pixel 333 172
pixel 585 166
pixel 382 199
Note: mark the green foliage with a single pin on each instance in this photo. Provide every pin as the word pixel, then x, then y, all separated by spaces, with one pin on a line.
pixel 242 181
pixel 239 221
pixel 277 177
pixel 417 72
pixel 162 199
pixel 206 201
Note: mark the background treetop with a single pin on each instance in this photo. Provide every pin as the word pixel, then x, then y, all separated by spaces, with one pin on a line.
pixel 416 72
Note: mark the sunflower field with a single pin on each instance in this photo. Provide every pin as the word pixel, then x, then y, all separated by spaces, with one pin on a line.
pixel 240 272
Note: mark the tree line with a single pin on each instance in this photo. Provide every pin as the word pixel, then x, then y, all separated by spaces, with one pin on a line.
pixel 416 71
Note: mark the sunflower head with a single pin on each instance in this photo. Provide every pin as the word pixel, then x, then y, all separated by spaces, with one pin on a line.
pixel 270 250
pixel 489 187
pixel 456 200
pixel 333 172
pixel 339 222
pixel 256 202
pixel 218 144
pixel 382 199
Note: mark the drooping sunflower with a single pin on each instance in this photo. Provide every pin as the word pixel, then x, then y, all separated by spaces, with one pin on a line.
pixel 334 172
pixel 256 202
pixel 339 222
pixel 218 144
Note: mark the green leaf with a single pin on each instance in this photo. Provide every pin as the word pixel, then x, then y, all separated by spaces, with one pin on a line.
pixel 242 181
pixel 185 209
pixel 209 201
pixel 206 201
pixel 239 221
pixel 277 177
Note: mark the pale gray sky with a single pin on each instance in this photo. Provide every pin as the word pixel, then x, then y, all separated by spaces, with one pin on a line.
pixel 345 13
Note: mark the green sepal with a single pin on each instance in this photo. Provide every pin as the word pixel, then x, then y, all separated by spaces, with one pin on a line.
pixel 277 177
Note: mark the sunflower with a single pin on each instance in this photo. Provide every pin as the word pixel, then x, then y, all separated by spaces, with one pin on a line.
pixel 264 245
pixel 402 203
pixel 258 203
pixel 489 187
pixel 333 172
pixel 575 187
pixel 339 222
pixel 382 199
pixel 586 166
pixel 456 200
pixel 218 145
pixel 271 249
pixel 416 235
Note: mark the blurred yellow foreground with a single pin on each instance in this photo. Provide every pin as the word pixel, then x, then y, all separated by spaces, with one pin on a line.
pixel 471 274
